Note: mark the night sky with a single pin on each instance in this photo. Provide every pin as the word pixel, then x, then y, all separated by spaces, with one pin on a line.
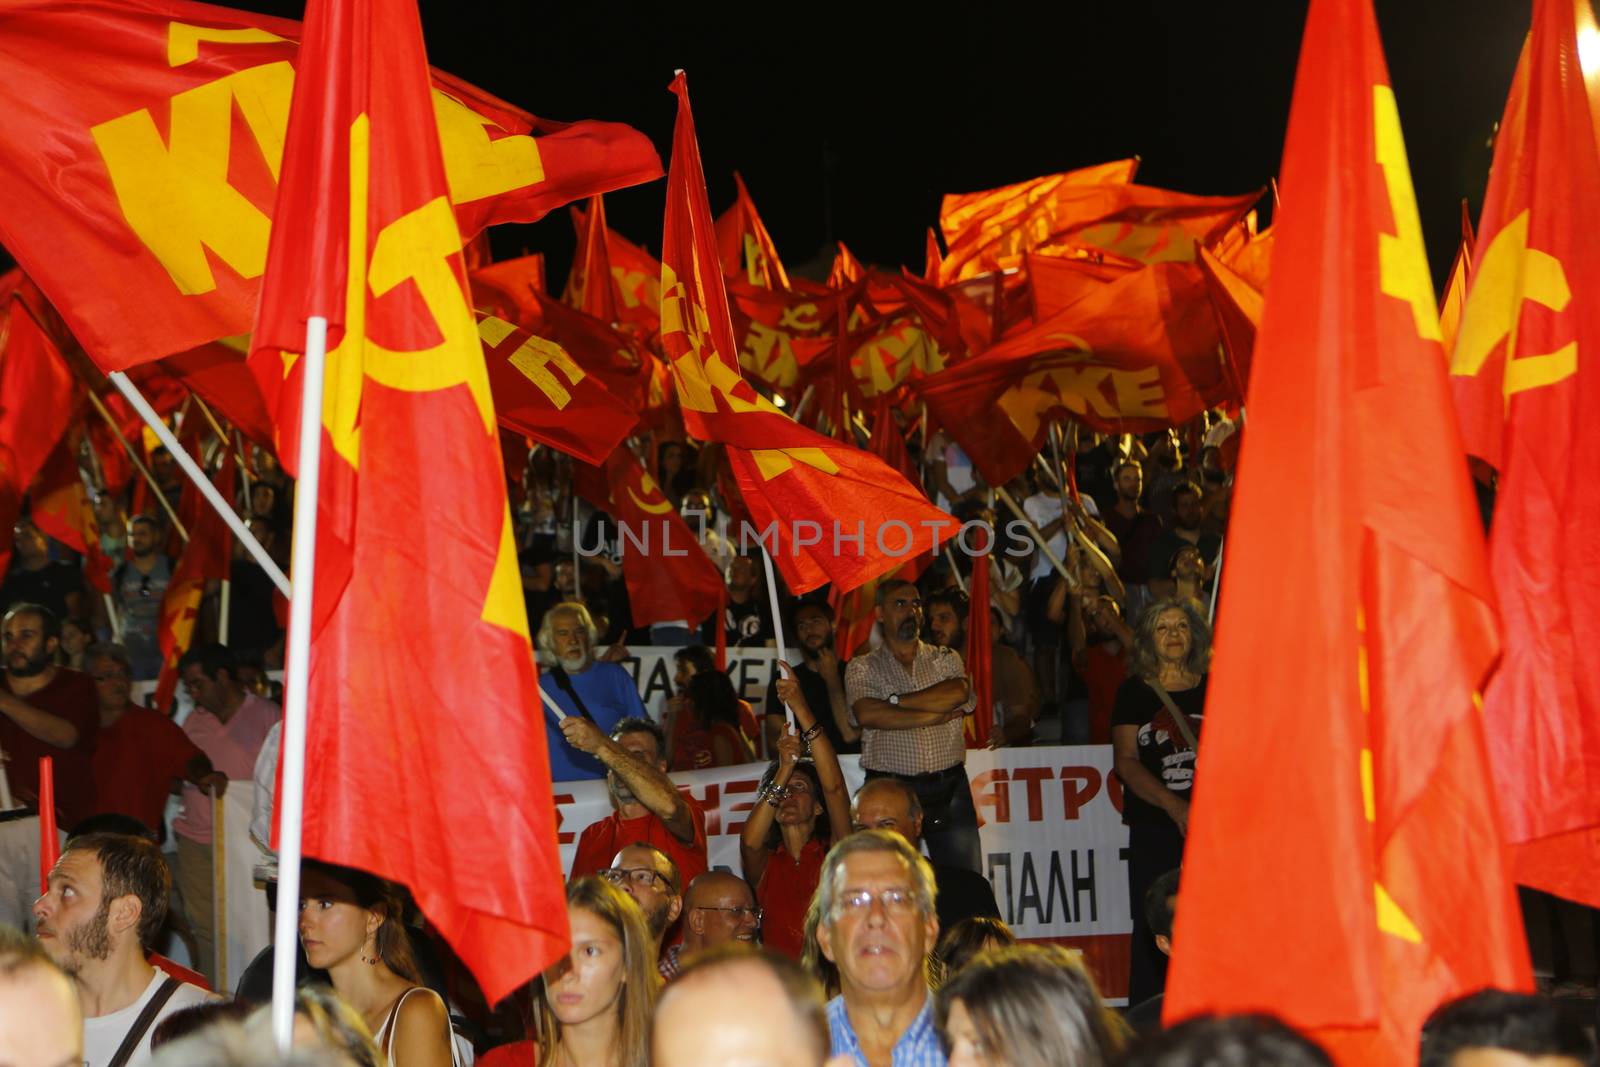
pixel 849 121
pixel 850 126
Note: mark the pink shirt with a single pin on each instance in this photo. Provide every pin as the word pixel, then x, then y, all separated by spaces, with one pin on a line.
pixel 232 748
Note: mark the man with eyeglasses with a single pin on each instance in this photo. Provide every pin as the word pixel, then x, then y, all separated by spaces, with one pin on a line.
pixel 718 909
pixel 141 752
pixel 649 876
pixel 45 710
pixel 910 698
pixel 140 583
pixel 878 923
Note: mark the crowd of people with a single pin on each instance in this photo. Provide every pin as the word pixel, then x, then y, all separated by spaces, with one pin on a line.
pixel 859 927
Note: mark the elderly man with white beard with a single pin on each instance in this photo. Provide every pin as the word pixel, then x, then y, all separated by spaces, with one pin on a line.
pixel 583 688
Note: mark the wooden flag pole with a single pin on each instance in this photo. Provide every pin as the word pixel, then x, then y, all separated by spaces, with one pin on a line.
pixel 139 465
pixel 297 658
pixel 201 482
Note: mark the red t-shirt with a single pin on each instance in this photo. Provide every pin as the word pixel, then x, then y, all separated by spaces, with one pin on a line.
pixel 785 892
pixel 136 761
pixel 516 1054
pixel 598 844
pixel 1104 672
pixel 69 696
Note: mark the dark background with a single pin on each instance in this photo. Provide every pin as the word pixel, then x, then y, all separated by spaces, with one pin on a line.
pixel 850 120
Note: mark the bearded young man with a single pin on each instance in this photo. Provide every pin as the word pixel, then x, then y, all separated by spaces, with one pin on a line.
pixel 106 901
pixel 585 689
pixel 45 710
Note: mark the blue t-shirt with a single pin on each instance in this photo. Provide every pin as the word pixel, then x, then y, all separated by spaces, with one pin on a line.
pixel 609 695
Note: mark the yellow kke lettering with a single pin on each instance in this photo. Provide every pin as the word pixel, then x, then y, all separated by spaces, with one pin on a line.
pixel 176 196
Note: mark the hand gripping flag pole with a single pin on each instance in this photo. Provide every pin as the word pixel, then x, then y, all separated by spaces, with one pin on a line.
pixel 292 756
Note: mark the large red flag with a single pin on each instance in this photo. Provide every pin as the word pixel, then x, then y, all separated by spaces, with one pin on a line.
pixel 165 123
pixel 745 246
pixel 422 679
pixel 37 389
pixel 1344 867
pixel 1526 369
pixel 828 512
pixel 59 505
pixel 636 277
pixel 1139 353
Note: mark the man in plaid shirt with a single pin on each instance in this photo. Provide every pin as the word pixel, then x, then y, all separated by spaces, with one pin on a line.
pixel 909 698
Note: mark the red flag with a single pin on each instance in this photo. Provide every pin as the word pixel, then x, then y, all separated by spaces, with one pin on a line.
pixel 808 496
pixel 166 121
pixel 206 558
pixel 37 389
pixel 744 245
pixel 669 575
pixel 418 609
pixel 1139 354
pixel 219 374
pixel 1527 389
pixel 1238 308
pixel 540 391
pixel 932 258
pixel 1132 222
pixel 60 507
pixel 589 286
pixel 636 277
pixel 1057 282
pixel 511 283
pixel 1454 298
pixel 846 269
pixel 767 323
pixel 1373 884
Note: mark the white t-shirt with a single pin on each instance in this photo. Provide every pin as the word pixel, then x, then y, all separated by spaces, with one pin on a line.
pixel 1043 509
pixel 103 1034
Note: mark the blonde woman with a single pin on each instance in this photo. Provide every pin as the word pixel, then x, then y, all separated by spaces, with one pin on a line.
pixel 592 1009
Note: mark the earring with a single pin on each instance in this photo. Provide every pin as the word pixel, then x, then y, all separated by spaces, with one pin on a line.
pixel 370 961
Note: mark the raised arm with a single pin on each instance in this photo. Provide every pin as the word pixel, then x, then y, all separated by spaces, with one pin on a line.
pixel 835 794
pixel 753 851
pixel 650 786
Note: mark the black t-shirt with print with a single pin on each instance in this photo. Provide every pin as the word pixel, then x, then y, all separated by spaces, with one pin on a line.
pixel 1162 749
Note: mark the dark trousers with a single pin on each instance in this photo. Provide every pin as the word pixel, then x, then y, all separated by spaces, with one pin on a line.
pixel 1154 848
pixel 949 819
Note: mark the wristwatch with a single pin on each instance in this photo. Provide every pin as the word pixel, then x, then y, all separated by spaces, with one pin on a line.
pixel 894 698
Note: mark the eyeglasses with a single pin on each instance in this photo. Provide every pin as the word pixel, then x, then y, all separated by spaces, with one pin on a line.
pixel 738 913
pixel 643 877
pixel 859 902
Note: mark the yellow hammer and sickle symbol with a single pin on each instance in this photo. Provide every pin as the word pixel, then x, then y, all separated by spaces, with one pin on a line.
pixel 648 484
pixel 1508 274
pixel 1402 274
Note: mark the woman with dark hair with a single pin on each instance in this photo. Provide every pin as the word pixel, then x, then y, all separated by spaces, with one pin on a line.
pixel 690 662
pixel 1025 1006
pixel 979 933
pixel 352 926
pixel 706 729
pixel 1155 728
pixel 801 809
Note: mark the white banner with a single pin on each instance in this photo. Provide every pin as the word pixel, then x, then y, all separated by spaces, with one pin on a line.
pixel 1049 819
pixel 750 669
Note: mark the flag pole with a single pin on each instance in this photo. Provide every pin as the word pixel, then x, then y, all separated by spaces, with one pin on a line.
pixel 1038 538
pixel 297 659
pixel 198 477
pixel 139 465
pixel 777 618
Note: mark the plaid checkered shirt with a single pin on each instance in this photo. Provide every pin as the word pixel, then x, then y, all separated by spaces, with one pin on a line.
pixel 923 749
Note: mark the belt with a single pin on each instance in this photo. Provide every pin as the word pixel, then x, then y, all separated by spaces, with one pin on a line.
pixel 18 813
pixel 931 777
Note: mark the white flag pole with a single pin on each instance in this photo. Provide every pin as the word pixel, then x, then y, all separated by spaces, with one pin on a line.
pixel 198 477
pixel 777 619
pixel 297 657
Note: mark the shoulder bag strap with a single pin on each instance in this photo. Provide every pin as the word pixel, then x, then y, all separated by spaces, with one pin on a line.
pixel 1185 727
pixel 141 1025
pixel 564 684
